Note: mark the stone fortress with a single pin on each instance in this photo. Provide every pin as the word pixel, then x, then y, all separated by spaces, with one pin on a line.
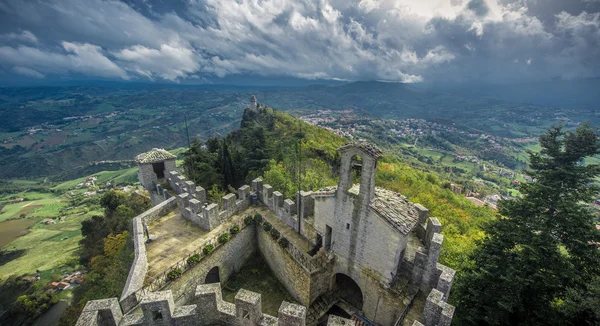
pixel 356 247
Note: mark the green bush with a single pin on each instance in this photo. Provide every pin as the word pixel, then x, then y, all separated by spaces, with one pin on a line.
pixel 258 219
pixel 193 260
pixel 283 242
pixel 275 234
pixel 267 226
pixel 248 220
pixel 208 249
pixel 224 238
pixel 234 230
pixel 174 274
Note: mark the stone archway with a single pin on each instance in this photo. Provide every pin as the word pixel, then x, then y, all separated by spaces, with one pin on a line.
pixel 347 289
pixel 213 276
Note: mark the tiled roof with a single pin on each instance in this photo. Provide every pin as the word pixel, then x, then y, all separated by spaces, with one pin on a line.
pixel 395 209
pixel 154 156
pixel 371 149
pixel 390 206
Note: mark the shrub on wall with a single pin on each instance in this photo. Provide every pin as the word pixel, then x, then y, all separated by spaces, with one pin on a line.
pixel 224 238
pixel 248 220
pixel 193 260
pixel 258 219
pixel 208 249
pixel 234 230
pixel 174 274
pixel 267 226
pixel 275 234
pixel 283 242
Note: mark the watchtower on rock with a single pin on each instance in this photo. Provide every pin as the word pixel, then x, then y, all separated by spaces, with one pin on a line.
pixel 253 103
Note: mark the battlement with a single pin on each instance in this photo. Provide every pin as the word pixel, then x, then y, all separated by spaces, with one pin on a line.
pixel 193 203
pixel 355 243
pixel 158 308
pixel 285 209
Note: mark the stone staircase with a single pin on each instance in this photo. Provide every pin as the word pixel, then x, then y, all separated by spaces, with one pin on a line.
pixel 320 307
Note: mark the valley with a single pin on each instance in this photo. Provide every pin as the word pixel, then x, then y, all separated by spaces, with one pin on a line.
pixel 58 164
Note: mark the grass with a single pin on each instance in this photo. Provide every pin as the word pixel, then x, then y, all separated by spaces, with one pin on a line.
pixel 14 210
pixel 115 177
pixel 45 247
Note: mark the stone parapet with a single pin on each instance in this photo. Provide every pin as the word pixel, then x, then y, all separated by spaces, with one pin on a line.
pixel 158 308
pixel 193 205
pixel 437 312
pixel 139 267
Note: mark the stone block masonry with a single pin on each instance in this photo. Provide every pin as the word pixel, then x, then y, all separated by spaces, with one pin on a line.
pixel 139 267
pixel 228 257
pixel 367 246
pixel 208 308
pixel 290 273
pixel 193 205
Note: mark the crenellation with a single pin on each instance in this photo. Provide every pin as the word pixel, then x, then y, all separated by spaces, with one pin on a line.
pixel 363 236
pixel 211 216
pixel 158 308
pixel 243 192
pixel 291 314
pixel 190 187
pixel 437 312
pixel 429 280
pixel 267 194
pixel 229 202
pixel 196 206
pixel 433 226
pixel 201 194
pixel 248 307
pixel 307 203
pixel 277 201
pixel 445 280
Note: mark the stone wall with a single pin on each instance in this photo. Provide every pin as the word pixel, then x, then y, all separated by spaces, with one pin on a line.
pixel 285 209
pixel 207 308
pixel 290 273
pixel 193 203
pixel 139 267
pixel 229 257
pixel 146 176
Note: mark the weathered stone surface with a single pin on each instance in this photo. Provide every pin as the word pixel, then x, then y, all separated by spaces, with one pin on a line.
pixel 375 237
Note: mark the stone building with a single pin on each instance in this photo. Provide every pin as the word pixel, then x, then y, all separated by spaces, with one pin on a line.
pixel 356 248
pixel 153 166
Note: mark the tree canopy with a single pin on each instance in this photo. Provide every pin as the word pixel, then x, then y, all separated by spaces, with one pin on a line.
pixel 539 262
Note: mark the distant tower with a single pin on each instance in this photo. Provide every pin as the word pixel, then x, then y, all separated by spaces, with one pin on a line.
pixel 253 104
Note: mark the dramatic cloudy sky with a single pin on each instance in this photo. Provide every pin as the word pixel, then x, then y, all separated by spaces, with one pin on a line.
pixel 394 40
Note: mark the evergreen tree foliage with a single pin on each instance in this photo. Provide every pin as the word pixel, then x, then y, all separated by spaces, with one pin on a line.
pixel 266 145
pixel 539 262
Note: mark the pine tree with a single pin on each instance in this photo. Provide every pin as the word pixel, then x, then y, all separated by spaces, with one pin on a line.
pixel 539 262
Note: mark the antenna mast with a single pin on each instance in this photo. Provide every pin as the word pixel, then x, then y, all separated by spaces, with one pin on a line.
pixel 299 199
pixel 187 132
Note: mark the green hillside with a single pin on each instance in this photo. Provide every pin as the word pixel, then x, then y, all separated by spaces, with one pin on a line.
pixel 267 144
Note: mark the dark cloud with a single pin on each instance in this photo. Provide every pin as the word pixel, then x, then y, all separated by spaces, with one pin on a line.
pixel 399 40
pixel 479 7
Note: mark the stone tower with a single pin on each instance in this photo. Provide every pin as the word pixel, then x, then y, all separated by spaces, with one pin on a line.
pixel 154 165
pixel 253 103
pixel 360 158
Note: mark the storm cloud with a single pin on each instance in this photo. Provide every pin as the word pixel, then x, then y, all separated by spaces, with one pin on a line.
pixel 401 40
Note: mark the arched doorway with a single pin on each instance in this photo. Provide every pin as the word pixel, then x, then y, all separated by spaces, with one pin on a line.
pixel 348 290
pixel 213 276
